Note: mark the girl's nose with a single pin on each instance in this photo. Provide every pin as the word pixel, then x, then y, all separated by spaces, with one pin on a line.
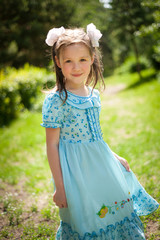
pixel 76 66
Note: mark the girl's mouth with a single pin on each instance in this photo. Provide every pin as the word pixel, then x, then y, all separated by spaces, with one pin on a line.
pixel 77 75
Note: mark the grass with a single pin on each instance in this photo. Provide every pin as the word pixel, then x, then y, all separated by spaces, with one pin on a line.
pixel 130 125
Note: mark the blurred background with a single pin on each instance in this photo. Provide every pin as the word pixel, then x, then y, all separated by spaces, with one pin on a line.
pixel 130 34
pixel 128 27
pixel 130 48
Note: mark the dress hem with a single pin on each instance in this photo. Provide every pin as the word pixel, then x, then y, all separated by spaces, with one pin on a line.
pixel 126 229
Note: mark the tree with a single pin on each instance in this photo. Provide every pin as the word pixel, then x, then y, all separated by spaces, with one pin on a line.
pixel 152 31
pixel 126 19
pixel 24 25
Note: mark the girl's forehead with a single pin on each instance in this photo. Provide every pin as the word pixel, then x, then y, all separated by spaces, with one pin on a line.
pixel 76 49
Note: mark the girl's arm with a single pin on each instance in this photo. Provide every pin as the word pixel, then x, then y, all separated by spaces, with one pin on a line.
pixel 122 161
pixel 52 141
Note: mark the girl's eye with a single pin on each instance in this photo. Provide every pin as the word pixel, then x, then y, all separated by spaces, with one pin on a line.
pixel 83 60
pixel 68 61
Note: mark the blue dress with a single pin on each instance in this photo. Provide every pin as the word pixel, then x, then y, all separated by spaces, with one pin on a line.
pixel 104 199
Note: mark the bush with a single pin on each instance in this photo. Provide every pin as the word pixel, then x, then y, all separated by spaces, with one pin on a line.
pixel 133 67
pixel 130 65
pixel 19 88
pixel 10 104
pixel 9 98
pixel 31 80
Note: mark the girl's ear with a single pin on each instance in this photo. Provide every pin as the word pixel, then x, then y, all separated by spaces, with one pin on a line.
pixel 57 62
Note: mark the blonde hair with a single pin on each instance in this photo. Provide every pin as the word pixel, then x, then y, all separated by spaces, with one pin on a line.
pixel 72 36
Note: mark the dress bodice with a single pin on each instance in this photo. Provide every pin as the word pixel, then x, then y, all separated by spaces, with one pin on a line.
pixel 78 117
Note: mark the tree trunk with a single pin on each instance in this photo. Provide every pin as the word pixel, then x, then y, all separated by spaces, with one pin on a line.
pixel 128 7
pixel 137 57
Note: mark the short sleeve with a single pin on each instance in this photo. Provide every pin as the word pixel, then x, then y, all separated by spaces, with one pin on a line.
pixel 52 111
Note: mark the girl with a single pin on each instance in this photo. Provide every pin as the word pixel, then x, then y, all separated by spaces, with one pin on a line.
pixel 97 194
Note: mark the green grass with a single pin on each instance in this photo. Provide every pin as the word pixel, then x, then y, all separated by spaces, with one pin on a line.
pixel 130 125
pixel 23 151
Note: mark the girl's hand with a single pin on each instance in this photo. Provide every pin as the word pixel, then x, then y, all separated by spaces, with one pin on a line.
pixel 124 163
pixel 59 197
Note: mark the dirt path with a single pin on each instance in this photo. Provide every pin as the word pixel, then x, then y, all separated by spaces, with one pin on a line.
pixel 111 90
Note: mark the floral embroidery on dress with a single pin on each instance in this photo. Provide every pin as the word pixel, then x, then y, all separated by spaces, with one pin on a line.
pixel 112 209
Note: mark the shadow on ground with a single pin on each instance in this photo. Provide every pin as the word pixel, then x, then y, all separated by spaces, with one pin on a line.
pixel 148 78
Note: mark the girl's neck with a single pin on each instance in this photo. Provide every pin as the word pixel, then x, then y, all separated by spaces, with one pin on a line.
pixel 80 91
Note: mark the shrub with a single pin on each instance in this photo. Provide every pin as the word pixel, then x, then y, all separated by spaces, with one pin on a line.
pixel 9 99
pixel 130 65
pixel 9 106
pixel 133 67
pixel 30 82
pixel 19 88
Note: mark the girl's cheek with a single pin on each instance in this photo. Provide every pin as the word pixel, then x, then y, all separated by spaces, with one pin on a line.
pixel 66 67
pixel 86 66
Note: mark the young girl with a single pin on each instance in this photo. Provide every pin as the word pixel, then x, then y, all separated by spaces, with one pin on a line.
pixel 97 194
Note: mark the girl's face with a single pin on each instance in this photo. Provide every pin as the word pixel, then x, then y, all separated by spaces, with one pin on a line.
pixel 75 62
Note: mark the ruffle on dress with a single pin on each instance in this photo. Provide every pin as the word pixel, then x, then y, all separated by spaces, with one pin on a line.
pixel 143 203
pixel 128 229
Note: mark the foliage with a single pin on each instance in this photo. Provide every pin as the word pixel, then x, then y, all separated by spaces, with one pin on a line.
pixel 9 99
pixel 19 88
pixel 24 25
pixel 152 31
pixel 129 65
pixel 127 17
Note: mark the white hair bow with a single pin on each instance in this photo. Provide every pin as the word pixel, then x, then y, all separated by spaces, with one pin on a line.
pixel 94 34
pixel 53 35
